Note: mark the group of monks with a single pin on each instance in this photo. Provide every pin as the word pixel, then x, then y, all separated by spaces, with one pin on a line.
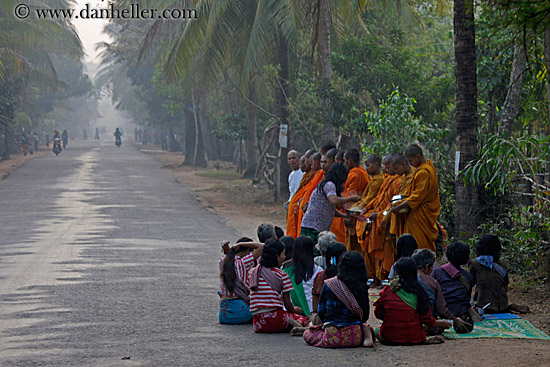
pixel 399 194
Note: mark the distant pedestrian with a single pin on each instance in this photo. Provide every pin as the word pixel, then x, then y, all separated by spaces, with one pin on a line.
pixel 35 137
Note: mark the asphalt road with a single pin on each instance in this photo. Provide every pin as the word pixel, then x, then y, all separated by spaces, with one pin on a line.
pixel 106 260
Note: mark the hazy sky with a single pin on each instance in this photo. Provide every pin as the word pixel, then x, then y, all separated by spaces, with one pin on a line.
pixel 90 30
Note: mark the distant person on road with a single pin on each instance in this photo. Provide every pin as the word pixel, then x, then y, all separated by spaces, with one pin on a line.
pixel 65 138
pixel 234 268
pixel 118 139
pixel 24 143
pixel 35 137
pixel 96 133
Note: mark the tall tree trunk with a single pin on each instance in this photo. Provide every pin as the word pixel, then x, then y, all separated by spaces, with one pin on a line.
pixel 6 153
pixel 282 96
pixel 209 139
pixel 194 146
pixel 325 66
pixel 547 61
pixel 251 134
pixel 511 104
pixel 466 114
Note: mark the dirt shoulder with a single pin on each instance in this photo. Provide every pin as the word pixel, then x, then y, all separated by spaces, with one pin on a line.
pixel 17 160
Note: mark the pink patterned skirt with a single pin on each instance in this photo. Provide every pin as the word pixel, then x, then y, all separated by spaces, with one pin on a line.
pixel 276 321
pixel 334 337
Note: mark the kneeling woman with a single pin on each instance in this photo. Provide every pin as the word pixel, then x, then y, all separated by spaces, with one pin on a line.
pixel 270 290
pixel 234 268
pixel 404 309
pixel 344 307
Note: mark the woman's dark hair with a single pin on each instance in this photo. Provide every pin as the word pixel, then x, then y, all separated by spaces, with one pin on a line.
pixel 489 244
pixel 302 259
pixel 333 252
pixel 406 244
pixel 405 268
pixel 279 232
pixel 458 253
pixel 272 249
pixel 337 174
pixel 288 241
pixel 352 271
pixel 228 273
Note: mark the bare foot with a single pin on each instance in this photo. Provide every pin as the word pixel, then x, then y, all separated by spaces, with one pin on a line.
pixel 298 331
pixel 294 323
pixel 438 339
pixel 369 336
pixel 519 308
pixel 375 283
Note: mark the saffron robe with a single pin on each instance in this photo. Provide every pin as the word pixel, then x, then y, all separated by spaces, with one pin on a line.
pixel 423 198
pixel 308 190
pixel 292 229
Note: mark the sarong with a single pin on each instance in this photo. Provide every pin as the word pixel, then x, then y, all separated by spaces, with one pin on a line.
pixel 234 312
pixel 276 321
pixel 334 337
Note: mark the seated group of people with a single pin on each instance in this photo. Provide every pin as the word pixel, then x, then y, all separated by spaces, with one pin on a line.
pixel 279 285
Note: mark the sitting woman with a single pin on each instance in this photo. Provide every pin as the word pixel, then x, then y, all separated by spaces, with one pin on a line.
pixel 302 271
pixel 405 246
pixel 332 255
pixel 490 278
pixel 326 238
pixel 457 283
pixel 270 290
pixel 404 309
pixel 344 308
pixel 234 267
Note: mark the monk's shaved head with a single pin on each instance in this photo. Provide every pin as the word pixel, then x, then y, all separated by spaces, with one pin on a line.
pixel 354 155
pixel 293 153
pixel 309 153
pixel 316 157
pixel 326 146
pixel 374 158
pixel 387 158
pixel 331 154
pixel 399 158
pixel 413 150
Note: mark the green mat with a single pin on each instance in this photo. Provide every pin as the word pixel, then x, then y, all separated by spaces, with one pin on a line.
pixel 504 329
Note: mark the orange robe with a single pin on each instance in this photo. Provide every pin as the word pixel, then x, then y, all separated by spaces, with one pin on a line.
pixel 292 227
pixel 363 236
pixel 381 241
pixel 355 184
pixel 308 190
pixel 397 222
pixel 423 198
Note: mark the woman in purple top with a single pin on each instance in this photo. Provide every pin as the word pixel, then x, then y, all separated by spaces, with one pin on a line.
pixel 323 202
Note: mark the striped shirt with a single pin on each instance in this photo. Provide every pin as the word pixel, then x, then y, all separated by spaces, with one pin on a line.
pixel 265 296
pixel 242 266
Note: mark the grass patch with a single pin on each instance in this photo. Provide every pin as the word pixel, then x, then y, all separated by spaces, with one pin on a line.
pixel 225 175
pixel 213 188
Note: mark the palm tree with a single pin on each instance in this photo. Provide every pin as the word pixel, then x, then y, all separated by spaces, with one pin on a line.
pixel 467 198
pixel 25 46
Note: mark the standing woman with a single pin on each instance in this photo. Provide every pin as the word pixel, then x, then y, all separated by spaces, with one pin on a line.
pixel 302 271
pixel 234 268
pixel 323 202
pixel 270 290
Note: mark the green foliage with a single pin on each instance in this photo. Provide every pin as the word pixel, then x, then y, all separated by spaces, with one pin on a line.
pixel 504 163
pixel 231 126
pixel 393 126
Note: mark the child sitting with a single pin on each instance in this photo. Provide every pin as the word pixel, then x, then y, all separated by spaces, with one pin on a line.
pixel 404 309
pixel 344 307
pixel 490 278
pixel 456 283
pixel 234 267
pixel 269 290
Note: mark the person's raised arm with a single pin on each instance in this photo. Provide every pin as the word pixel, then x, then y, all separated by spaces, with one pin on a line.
pixel 257 246
pixel 339 200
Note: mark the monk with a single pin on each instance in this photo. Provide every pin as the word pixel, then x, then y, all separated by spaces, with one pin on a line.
pixel 372 164
pixel 395 224
pixel 380 246
pixel 363 229
pixel 292 213
pixel 326 146
pixel 355 184
pixel 422 202
pixel 340 157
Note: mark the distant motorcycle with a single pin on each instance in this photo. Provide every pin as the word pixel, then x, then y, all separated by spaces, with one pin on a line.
pixel 118 141
pixel 57 146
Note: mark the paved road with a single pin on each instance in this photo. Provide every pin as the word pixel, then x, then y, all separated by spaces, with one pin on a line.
pixel 106 260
